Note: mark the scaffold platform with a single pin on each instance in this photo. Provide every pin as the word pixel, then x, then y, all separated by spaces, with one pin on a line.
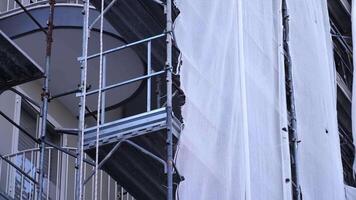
pixel 138 164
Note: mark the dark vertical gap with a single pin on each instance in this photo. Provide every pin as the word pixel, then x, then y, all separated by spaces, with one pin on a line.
pixel 340 24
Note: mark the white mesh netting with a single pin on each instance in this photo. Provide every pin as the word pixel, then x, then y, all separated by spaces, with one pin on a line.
pixel 233 145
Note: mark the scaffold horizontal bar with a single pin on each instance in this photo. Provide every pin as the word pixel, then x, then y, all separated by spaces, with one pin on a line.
pixel 68 131
pixel 22 130
pixel 26 98
pixel 159 2
pixel 123 47
pixel 64 94
pixel 74 91
pixel 125 83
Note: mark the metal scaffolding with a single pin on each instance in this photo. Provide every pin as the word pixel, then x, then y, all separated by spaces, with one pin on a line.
pixel 164 119
pixel 101 124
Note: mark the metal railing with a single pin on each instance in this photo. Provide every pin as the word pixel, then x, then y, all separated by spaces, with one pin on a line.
pixel 11 5
pixel 59 182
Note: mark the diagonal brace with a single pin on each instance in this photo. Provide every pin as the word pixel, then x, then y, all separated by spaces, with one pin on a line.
pixel 31 16
pixel 136 146
pixel 104 12
pixel 143 150
pixel 18 169
pixel 113 150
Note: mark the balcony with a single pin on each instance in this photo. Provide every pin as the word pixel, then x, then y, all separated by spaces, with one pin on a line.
pixel 58 183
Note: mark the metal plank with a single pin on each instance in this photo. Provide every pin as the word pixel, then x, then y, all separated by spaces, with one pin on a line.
pixel 136 125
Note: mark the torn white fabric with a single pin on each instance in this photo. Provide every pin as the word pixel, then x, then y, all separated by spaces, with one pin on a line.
pixel 213 155
pixel 353 109
pixel 233 145
pixel 320 165
pixel 350 192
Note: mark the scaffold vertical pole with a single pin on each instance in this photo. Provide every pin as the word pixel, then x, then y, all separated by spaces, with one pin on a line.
pixel 83 89
pixel 291 101
pixel 168 10
pixel 45 97
pixel 103 97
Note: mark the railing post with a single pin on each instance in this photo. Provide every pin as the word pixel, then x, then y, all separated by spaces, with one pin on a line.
pixel 58 175
pixel 22 176
pixel 33 174
pixel 7 189
pixel 48 173
pixel 109 187
pixel 8 5
pixel 115 189
pixel 0 168
pixel 149 69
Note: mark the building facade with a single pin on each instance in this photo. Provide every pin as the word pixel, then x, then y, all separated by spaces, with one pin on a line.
pixel 63 112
